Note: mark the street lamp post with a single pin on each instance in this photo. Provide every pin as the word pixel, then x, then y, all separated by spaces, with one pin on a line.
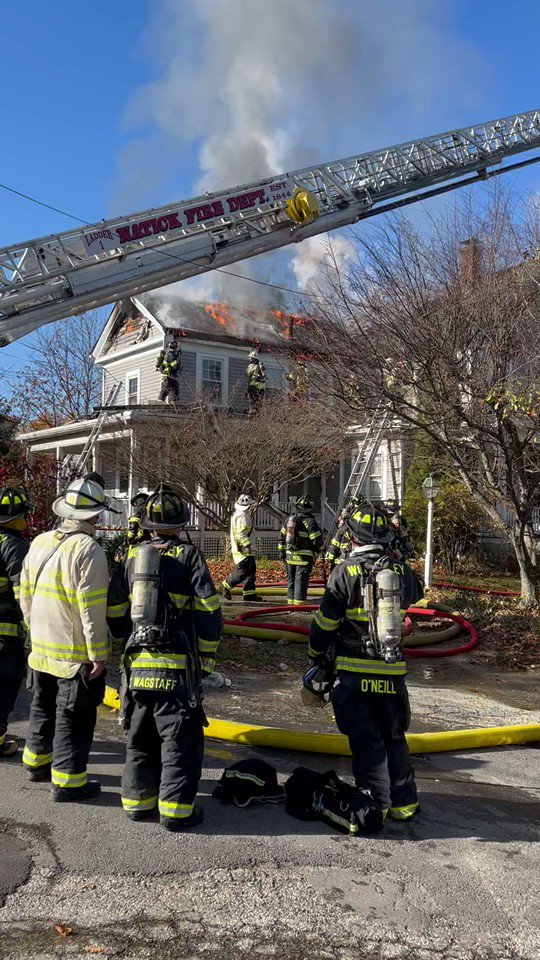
pixel 430 489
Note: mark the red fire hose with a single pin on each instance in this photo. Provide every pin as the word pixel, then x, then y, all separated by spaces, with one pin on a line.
pixel 279 627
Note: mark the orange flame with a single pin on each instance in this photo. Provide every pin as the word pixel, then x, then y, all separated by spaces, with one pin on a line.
pixel 221 314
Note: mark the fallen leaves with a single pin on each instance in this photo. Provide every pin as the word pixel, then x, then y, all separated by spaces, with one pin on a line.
pixel 62 929
pixel 95 950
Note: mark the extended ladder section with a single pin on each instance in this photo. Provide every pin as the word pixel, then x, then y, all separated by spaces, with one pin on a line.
pixel 67 273
pixel 363 464
pixel 80 466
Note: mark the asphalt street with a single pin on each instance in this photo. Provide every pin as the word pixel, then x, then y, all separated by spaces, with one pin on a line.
pixel 460 881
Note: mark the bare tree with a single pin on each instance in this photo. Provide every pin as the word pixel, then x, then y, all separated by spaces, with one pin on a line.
pixel 447 335
pixel 61 383
pixel 214 455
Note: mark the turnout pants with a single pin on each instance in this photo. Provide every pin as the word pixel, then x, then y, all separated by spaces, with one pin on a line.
pixel 375 724
pixel 61 726
pixel 164 754
pixel 243 575
pixel 297 582
pixel 12 670
pixel 255 397
pixel 170 389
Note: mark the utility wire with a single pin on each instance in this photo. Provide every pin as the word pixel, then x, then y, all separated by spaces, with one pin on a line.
pixel 228 273
pixel 41 203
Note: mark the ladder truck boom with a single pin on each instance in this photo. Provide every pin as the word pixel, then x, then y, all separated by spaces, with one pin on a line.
pixel 67 273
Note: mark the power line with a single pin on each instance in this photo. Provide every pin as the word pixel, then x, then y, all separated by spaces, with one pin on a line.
pixel 228 273
pixel 41 203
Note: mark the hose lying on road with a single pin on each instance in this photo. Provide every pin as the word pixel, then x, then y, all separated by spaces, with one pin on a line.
pixel 337 745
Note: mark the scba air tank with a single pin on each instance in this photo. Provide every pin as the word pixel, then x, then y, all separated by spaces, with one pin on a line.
pixel 145 593
pixel 389 614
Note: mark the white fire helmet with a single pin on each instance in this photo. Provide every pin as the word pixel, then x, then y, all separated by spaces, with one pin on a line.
pixel 244 502
pixel 254 355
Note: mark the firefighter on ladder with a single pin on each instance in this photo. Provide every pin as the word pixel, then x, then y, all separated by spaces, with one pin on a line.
pixel 245 571
pixel 169 364
pixel 63 598
pixel 370 699
pixel 300 540
pixel 164 661
pixel 256 382
pixel 14 508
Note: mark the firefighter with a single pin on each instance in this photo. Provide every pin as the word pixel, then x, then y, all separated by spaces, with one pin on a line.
pixel 256 382
pixel 245 572
pixel 340 543
pixel 135 533
pixel 64 599
pixel 170 646
pixel 370 698
pixel 299 380
pixel 300 540
pixel 14 508
pixel 403 545
pixel 169 364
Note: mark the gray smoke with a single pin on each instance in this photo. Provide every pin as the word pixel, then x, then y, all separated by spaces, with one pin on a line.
pixel 257 88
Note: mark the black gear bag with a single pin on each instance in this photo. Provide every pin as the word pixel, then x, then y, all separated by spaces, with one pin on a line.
pixel 323 796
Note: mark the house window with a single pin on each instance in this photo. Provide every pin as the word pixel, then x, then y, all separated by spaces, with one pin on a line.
pixel 212 379
pixel 375 486
pixel 132 389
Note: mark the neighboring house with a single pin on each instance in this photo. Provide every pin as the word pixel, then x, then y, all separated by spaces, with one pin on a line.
pixel 215 343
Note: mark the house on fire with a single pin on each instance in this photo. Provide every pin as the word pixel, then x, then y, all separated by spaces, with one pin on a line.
pixel 215 342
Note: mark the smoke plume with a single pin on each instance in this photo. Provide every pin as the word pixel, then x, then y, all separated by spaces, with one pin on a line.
pixel 253 89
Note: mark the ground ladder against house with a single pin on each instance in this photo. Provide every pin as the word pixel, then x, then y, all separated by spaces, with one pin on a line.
pixel 64 274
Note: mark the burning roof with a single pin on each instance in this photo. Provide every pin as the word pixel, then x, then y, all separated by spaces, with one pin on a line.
pixel 266 326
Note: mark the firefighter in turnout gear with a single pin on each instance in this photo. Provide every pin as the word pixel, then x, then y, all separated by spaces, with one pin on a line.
pixel 300 540
pixel 299 380
pixel 340 543
pixel 370 698
pixel 169 364
pixel 245 571
pixel 64 599
pixel 136 534
pixel 402 544
pixel 164 602
pixel 14 507
pixel 256 382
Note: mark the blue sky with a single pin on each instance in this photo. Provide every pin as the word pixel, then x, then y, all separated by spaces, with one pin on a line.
pixel 115 106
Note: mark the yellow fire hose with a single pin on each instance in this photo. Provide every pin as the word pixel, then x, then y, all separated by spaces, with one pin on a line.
pixel 337 745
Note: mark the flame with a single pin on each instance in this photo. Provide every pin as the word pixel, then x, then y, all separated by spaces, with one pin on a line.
pixel 288 321
pixel 221 314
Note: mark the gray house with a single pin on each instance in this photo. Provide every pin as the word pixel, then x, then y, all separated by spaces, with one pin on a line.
pixel 215 341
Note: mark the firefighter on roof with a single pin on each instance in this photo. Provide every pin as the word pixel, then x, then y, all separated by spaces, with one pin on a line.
pixel 256 382
pixel 14 507
pixel 298 378
pixel 300 540
pixel 169 364
pixel 163 603
pixel 357 633
pixel 63 598
pixel 245 572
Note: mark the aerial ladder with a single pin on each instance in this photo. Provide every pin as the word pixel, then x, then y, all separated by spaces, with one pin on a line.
pixel 64 274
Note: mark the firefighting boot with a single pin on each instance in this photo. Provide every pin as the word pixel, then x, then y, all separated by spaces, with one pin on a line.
pixel 8 748
pixel 184 823
pixel 253 598
pixel 39 774
pixel 89 791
